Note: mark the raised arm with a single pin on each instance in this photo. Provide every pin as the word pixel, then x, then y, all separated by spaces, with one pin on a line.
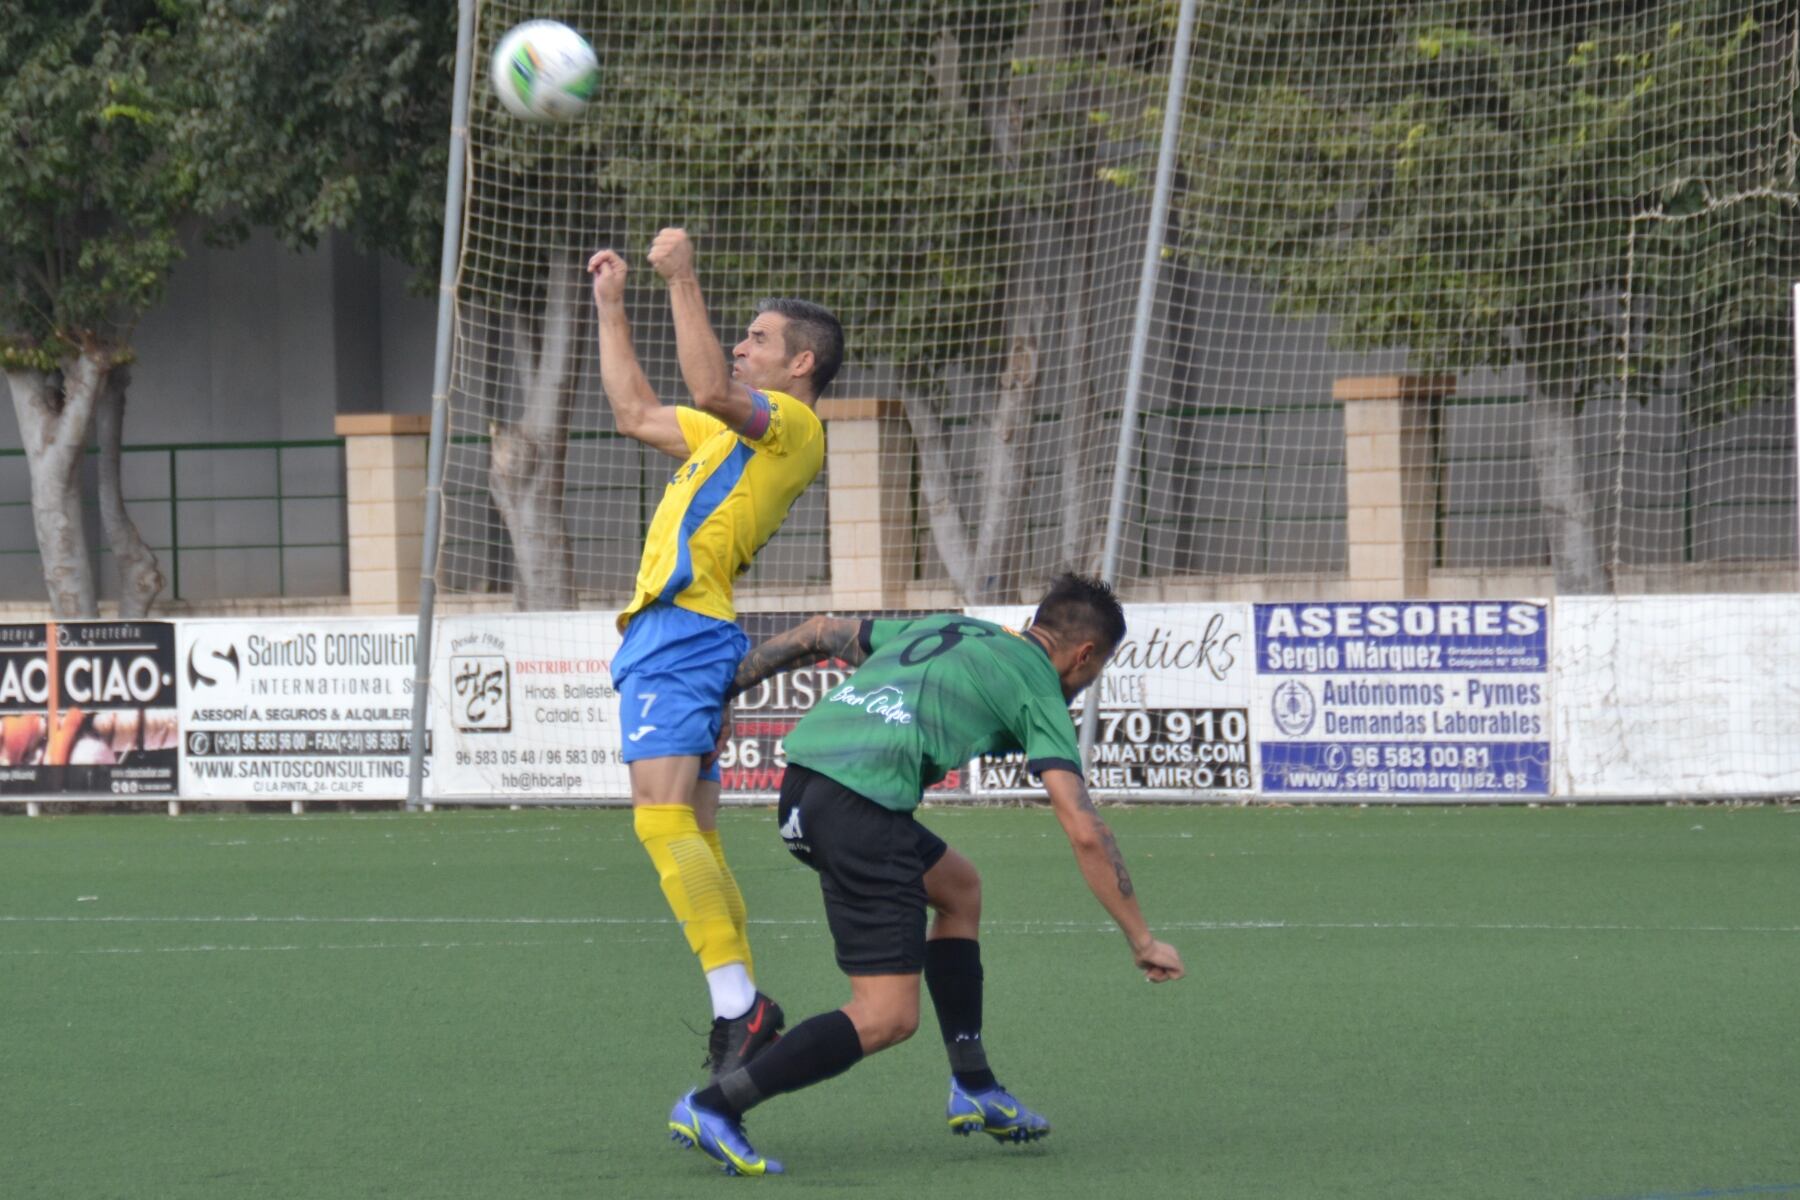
pixel 635 408
pixel 1103 867
pixel 815 638
pixel 697 347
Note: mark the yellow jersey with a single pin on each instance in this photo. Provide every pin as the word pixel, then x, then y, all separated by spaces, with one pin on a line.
pixel 724 502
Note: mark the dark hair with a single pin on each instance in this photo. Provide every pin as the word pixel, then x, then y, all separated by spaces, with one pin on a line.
pixel 1079 607
pixel 810 327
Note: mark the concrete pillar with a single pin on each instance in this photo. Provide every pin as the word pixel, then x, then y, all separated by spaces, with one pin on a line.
pixel 384 493
pixel 868 455
pixel 1392 427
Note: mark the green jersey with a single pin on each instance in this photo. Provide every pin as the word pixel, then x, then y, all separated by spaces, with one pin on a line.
pixel 933 694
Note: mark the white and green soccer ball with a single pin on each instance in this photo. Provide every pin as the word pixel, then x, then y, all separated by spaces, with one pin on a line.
pixel 544 71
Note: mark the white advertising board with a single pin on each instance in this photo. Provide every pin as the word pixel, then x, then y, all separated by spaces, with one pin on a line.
pixel 1174 705
pixel 1677 696
pixel 304 708
pixel 525 708
pixel 1404 698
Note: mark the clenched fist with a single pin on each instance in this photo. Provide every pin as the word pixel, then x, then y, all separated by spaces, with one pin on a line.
pixel 609 271
pixel 672 253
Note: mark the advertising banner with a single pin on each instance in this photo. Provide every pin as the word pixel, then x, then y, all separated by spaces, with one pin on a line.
pixel 305 707
pixel 88 708
pixel 1173 707
pixel 1677 696
pixel 1404 698
pixel 524 706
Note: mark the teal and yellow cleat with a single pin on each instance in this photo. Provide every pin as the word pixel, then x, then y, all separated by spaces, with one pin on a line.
pixel 995 1112
pixel 719 1136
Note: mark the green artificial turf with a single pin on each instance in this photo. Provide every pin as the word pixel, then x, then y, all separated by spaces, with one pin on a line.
pixel 1384 1002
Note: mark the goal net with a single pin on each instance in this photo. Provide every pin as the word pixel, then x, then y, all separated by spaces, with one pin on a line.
pixel 1454 302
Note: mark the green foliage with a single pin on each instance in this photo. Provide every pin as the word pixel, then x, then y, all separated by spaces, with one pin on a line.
pixel 1565 187
pixel 132 123
pixel 326 114
pixel 880 183
pixel 857 186
pixel 902 185
pixel 94 190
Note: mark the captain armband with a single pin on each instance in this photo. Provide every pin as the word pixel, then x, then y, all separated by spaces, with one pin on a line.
pixel 757 423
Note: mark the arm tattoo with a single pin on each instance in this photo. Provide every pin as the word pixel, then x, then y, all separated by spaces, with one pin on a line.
pixel 1085 803
pixel 1118 861
pixel 808 642
pixel 765 659
pixel 845 641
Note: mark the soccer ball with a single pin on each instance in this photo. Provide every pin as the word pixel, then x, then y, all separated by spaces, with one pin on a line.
pixel 544 71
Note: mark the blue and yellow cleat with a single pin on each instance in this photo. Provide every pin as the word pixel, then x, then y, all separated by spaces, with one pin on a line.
pixel 995 1112
pixel 719 1136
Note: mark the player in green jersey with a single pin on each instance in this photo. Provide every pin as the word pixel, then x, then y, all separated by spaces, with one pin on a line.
pixel 929 695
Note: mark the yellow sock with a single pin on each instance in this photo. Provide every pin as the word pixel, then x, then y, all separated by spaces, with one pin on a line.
pixel 691 882
pixel 734 899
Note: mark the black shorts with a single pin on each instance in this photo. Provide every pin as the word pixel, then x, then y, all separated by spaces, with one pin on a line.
pixel 871 863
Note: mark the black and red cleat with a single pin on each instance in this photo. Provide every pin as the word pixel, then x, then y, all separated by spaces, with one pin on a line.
pixel 737 1040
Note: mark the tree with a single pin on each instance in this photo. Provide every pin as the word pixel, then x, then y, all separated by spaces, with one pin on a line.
pixel 791 191
pixel 529 451
pixel 1044 124
pixel 526 379
pixel 938 188
pixel 324 115
pixel 1478 183
pixel 89 214
pixel 138 124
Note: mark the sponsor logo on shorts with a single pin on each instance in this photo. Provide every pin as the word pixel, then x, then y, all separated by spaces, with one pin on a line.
pixel 793 836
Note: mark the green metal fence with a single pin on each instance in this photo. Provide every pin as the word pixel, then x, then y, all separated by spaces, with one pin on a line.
pixel 269 515
pixel 608 509
pixel 267 518
pixel 1499 523
pixel 1274 481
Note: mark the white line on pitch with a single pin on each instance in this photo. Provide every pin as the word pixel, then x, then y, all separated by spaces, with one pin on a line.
pixel 1451 926
pixel 257 919
pixel 288 948
pixel 1048 926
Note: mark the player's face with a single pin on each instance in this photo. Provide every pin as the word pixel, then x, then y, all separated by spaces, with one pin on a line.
pixel 761 360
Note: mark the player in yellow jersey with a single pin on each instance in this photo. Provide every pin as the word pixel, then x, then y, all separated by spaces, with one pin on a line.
pixel 748 447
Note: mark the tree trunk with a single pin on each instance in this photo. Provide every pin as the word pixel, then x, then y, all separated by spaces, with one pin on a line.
pixel 529 458
pixel 986 558
pixel 1000 541
pixel 1032 304
pixel 949 532
pixel 140 580
pixel 526 478
pixel 1084 481
pixel 1571 515
pixel 936 488
pixel 55 411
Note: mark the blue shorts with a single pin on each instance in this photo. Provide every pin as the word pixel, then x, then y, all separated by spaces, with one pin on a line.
pixel 672 672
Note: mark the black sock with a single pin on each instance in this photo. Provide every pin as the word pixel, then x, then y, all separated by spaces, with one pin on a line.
pixel 953 976
pixel 812 1052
